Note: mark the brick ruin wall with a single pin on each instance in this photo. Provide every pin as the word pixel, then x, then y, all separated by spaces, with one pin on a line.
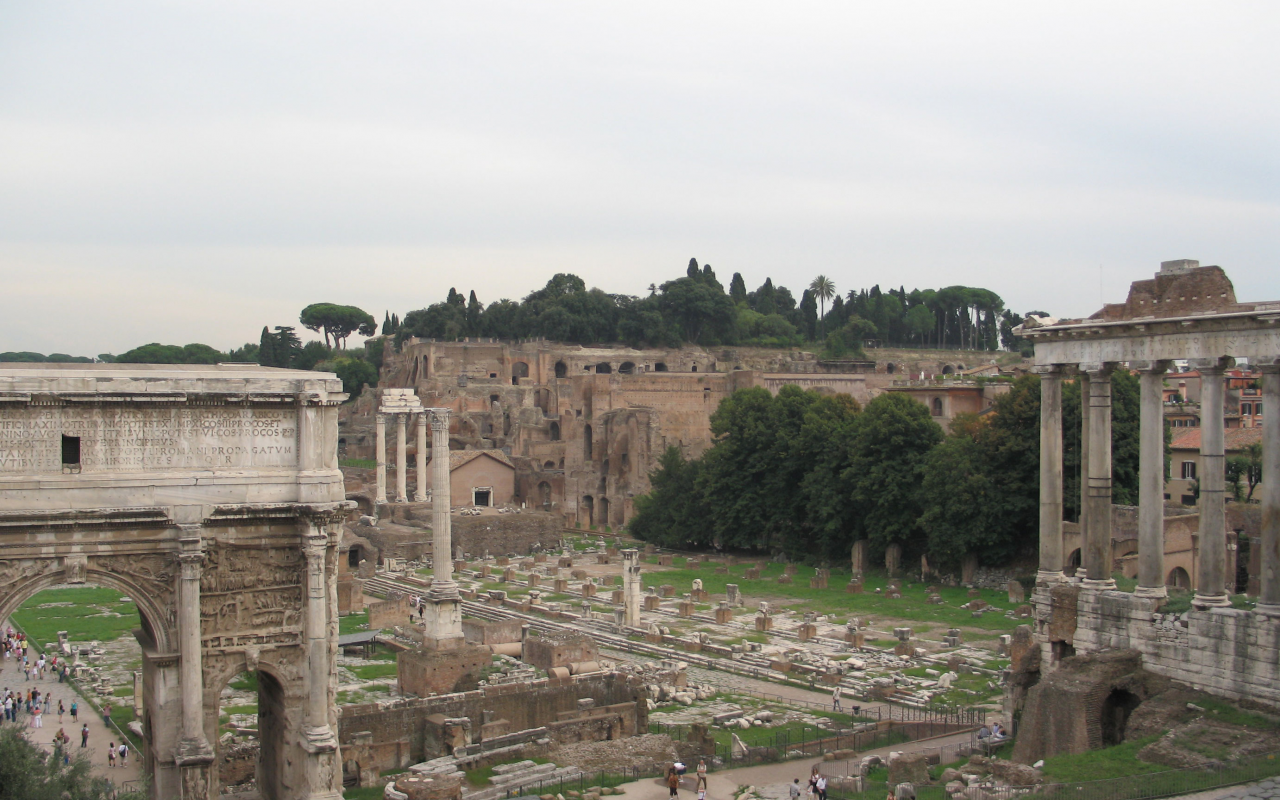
pixel 406 533
pixel 402 735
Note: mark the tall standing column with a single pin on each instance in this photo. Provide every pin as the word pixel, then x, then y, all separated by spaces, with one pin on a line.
pixel 1097 539
pixel 318 733
pixel 1151 481
pixel 1269 583
pixel 1211 580
pixel 1050 476
pixel 381 422
pixel 402 463
pixel 193 752
pixel 442 622
pixel 420 457
pixel 1083 378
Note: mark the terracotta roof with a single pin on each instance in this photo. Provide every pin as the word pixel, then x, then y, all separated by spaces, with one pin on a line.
pixel 1234 439
pixel 459 457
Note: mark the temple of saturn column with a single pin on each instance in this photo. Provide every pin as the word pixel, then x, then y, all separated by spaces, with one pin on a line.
pixel 442 619
pixel 401 404
pixel 1190 313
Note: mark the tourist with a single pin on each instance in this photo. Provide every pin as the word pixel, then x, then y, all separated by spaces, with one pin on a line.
pixel 673 781
pixel 106 714
pixel 795 789
pixel 36 717
pixel 111 754
pixel 84 736
pixel 61 711
pixel 124 754
pixel 997 732
pixel 835 699
pixel 75 711
pixel 702 774
pixel 821 786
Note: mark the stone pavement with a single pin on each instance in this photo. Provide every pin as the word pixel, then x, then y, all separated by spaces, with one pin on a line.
pixel 1262 790
pixel 99 734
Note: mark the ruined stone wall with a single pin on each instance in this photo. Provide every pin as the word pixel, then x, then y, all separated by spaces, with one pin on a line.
pixel 1225 651
pixel 525 706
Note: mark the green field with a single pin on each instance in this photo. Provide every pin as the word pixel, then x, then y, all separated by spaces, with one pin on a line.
pixel 835 600
pixel 86 613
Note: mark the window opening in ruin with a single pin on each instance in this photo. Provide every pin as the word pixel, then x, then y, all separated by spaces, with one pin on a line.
pixel 947 370
pixel 1115 716
pixel 603 368
pixel 589 506
pixel 1061 650
pixel 626 462
pixel 70 451
pixel 554 431
pixel 562 371
pixel 353 557
pixel 660 367
pixel 561 464
pixel 493 398
pixel 481 497
pixel 891 368
pixel 519 370
pixel 626 368
pixel 544 491
pixel 1073 563
pixel 937 406
pixel 586 442
pixel 1178 578
pixel 549 465
pixel 604 511
pixel 695 368
pixel 604 466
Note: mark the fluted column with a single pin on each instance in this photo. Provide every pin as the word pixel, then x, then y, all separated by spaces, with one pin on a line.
pixel 420 457
pixel 1083 378
pixel 1269 583
pixel 1211 579
pixel 318 733
pixel 193 748
pixel 381 422
pixel 1050 475
pixel 1097 539
pixel 1151 481
pixel 402 463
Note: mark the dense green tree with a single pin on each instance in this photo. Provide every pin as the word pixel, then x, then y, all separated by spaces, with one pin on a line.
pixel 893 436
pixel 387 330
pixel 156 353
pixel 267 348
pixel 355 373
pixel 672 513
pixel 704 314
pixel 956 484
pixel 738 289
pixel 310 355
pixel 474 311
pixel 824 289
pixel 808 316
pixel 338 322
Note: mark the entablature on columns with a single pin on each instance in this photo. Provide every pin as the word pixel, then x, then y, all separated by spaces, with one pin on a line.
pixel 1252 335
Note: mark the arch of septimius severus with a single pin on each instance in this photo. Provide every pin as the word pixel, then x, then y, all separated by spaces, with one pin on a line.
pixel 1186 312
pixel 212 497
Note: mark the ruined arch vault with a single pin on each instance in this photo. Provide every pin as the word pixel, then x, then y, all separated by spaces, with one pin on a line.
pixel 210 495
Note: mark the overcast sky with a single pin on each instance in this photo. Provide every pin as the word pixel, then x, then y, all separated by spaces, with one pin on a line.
pixel 182 172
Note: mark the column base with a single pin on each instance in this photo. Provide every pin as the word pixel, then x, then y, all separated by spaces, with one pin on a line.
pixel 192 752
pixel 1151 592
pixel 1267 610
pixel 1203 601
pixel 443 592
pixel 1108 585
pixel 319 740
pixel 1046 578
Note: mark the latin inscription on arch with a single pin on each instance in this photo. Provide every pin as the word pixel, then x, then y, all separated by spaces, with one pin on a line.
pixel 141 440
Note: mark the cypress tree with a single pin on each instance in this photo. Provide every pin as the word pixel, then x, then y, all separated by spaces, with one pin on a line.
pixel 267 349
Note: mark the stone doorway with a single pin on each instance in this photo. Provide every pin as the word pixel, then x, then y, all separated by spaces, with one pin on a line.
pixel 1115 716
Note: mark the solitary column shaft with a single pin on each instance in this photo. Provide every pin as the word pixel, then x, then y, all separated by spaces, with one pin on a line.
pixel 381 421
pixel 1269 584
pixel 420 458
pixel 1050 476
pixel 194 748
pixel 442 538
pixel 1151 484
pixel 1083 379
pixel 1211 581
pixel 1097 551
pixel 402 464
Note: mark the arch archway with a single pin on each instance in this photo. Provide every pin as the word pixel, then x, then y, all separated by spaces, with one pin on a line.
pixel 604 511
pixel 1178 579
pixel 589 509
pixel 937 406
pixel 891 368
pixel 519 370
pixel 562 370
pixel 603 368
pixel 626 368
pixel 947 369
pixel 660 367
pixel 1114 718
pixel 549 465
pixel 1073 563
pixel 544 495
pixel 553 431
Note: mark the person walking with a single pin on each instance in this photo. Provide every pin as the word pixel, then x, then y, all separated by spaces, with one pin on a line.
pixel 61 711
pixel 673 782
pixel 37 717
pixel 835 699
pixel 111 754
pixel 821 786
pixel 794 789
pixel 702 774
pixel 106 714
pixel 124 754
pixel 84 736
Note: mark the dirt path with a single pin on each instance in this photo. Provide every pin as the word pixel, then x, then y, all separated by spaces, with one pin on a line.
pixel 99 734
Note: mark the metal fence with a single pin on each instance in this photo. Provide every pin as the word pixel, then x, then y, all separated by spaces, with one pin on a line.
pixel 1147 786
pixel 584 781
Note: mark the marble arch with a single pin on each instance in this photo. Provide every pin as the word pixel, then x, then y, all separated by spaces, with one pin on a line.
pixel 212 496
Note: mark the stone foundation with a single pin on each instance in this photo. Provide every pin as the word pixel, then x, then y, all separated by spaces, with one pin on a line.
pixel 428 672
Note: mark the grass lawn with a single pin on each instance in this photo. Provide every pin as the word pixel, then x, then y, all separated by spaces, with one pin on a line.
pixel 250 708
pixel 374 671
pixel 1112 762
pixel 86 613
pixel 479 777
pixel 364 793
pixel 353 623
pixel 122 715
pixel 835 600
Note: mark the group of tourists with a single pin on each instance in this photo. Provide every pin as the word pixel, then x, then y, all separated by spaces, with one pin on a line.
pixel 816 790
pixel 677 770
pixel 36 705
pixel 13 644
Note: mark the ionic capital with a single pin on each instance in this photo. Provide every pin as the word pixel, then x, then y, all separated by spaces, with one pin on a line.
pixel 1212 366
pixel 1098 370
pixel 1157 367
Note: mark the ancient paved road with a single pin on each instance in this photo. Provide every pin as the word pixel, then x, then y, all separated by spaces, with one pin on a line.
pixel 99 734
